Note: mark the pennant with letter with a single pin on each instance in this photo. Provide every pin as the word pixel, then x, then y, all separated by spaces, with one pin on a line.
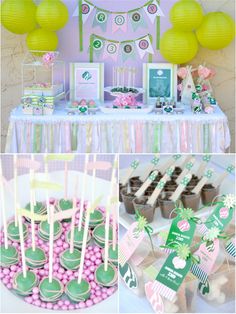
pixel 137 20
pixel 111 50
pixel 119 22
pixel 144 46
pixel 100 20
pixel 153 10
pixel 128 50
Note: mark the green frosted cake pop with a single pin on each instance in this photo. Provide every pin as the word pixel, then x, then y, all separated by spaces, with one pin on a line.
pixel 96 218
pixel 13 231
pixel 78 291
pixel 39 209
pixel 35 259
pixel 70 260
pixel 8 256
pixel 44 230
pixel 112 255
pixel 24 285
pixel 106 278
pixel 65 205
pixel 78 237
pixel 50 291
pixel 99 235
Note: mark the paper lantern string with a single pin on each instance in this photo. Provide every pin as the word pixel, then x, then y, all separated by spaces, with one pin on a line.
pixel 143 225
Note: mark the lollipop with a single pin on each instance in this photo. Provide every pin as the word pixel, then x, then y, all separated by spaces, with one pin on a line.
pixel 99 235
pixel 14 233
pixel 44 229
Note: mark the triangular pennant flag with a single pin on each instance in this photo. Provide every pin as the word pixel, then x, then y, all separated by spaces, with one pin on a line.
pixel 119 22
pixel 153 10
pixel 97 46
pixel 137 20
pixel 144 46
pixel 100 19
pixel 86 9
pixel 128 50
pixel 111 50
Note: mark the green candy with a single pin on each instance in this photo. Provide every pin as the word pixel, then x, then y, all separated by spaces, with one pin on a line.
pixel 106 278
pixel 99 235
pixel 24 286
pixel 13 231
pixel 39 209
pixel 78 237
pixel 50 291
pixel 96 218
pixel 44 230
pixel 70 260
pixel 35 259
pixel 65 205
pixel 78 291
pixel 8 256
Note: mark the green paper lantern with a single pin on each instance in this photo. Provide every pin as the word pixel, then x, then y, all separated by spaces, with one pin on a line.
pixel 186 15
pixel 19 17
pixel 178 47
pixel 217 31
pixel 42 40
pixel 52 15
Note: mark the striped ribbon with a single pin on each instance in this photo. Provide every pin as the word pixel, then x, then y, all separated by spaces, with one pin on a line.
pixel 199 273
pixel 37 138
pixel 122 257
pixel 164 290
pixel 230 248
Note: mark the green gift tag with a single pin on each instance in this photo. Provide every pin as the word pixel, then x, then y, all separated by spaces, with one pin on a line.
pixel 172 275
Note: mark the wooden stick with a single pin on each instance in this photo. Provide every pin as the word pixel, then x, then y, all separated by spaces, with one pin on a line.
pixel 202 167
pixel 51 240
pixel 84 243
pixel 151 166
pixel 15 186
pixel 32 206
pixel 181 187
pixel 129 172
pixel 219 180
pixel 84 184
pixel 187 169
pixel 22 245
pixel 146 184
pixel 3 208
pixel 207 175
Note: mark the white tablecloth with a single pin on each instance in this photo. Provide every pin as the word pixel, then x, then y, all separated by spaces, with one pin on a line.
pixel 118 133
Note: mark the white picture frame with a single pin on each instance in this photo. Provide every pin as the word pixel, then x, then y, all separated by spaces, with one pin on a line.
pixel 87 81
pixel 159 80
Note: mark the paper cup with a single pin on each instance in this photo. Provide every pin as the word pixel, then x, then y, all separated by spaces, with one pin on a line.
pixel 209 193
pixel 190 200
pixel 128 198
pixel 166 205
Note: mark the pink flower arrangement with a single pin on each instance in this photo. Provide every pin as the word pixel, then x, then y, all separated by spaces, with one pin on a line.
pixel 49 58
pixel 124 101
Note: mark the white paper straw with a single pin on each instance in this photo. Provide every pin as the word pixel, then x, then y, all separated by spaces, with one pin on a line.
pixel 84 184
pixel 114 219
pixel 3 208
pixel 72 228
pixel 66 180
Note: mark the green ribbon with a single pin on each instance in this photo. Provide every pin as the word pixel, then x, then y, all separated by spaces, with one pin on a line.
pixel 156 146
pixel 143 225
pixel 80 26
pixel 74 137
pixel 150 55
pixel 91 48
pixel 206 137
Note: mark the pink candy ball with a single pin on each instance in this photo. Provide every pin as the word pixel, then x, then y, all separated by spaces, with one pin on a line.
pixel 35 290
pixel 82 305
pixel 98 261
pixel 89 303
pixel 49 305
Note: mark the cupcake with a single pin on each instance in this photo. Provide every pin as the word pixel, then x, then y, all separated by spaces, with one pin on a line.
pixel 145 210
pixel 78 237
pixel 39 209
pixel 65 205
pixel 209 194
pixel 35 258
pixel 78 292
pixel 96 218
pixel 70 260
pixel 24 285
pixel 166 205
pixel 128 199
pixel 106 278
pixel 112 255
pixel 13 231
pixel 44 230
pixel 50 291
pixel 9 256
pixel 99 235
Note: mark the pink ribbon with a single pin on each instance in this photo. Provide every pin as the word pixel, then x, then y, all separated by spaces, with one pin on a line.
pixel 67 137
pixel 138 137
pixel 184 137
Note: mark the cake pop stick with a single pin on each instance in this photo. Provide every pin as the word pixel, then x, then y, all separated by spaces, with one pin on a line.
pixel 72 232
pixel 66 181
pixel 152 165
pixel 188 167
pixel 114 219
pixel 146 184
pixel 160 186
pixel 47 194
pixel 202 167
pixel 51 239
pixel 93 180
pixel 3 208
pixel 32 199
pixel 207 175
pixel 181 187
pixel 133 166
pixel 107 222
pixel 221 177
pixel 15 186
pixel 86 225
pixel 22 244
pixel 83 192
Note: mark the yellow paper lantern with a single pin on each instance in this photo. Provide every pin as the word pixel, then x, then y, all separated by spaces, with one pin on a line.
pixel 19 17
pixel 186 15
pixel 42 40
pixel 217 31
pixel 178 47
pixel 52 14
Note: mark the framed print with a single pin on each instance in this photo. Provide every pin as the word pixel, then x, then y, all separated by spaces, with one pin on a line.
pixel 87 81
pixel 159 80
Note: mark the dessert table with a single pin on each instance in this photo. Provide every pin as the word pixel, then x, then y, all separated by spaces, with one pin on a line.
pixel 118 133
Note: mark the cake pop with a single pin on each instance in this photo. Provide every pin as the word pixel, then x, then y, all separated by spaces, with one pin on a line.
pixel 50 290
pixel 107 278
pixel 39 208
pixel 13 231
pixel 112 255
pixel 23 285
pixel 99 235
pixel 44 228
pixel 35 258
pixel 96 218
pixel 78 237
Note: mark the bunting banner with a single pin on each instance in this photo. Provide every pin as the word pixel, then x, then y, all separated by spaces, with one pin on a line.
pixel 126 49
pixel 119 21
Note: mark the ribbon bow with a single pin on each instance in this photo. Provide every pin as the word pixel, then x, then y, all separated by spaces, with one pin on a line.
pixel 143 225
pixel 134 164
pixel 212 234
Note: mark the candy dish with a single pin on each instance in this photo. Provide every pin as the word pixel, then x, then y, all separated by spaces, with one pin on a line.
pixel 13 231
pixel 44 230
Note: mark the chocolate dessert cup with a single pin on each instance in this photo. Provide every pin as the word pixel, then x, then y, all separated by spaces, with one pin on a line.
pixel 190 200
pixel 166 205
pixel 128 198
pixel 145 210
pixel 209 193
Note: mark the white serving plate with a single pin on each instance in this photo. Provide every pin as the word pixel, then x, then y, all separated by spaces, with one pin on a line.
pixel 14 302
pixel 144 110
pixel 159 223
pixel 115 94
